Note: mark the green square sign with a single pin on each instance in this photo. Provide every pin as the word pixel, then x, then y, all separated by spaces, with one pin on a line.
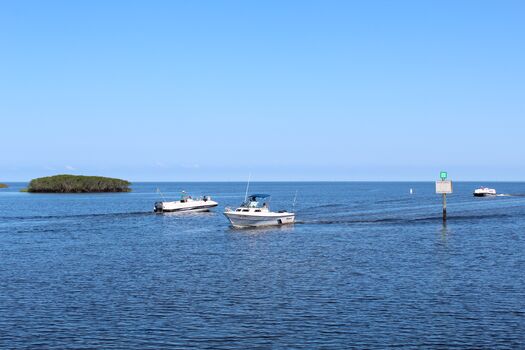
pixel 443 175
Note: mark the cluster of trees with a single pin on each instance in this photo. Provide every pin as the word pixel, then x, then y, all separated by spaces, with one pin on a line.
pixel 77 184
pixel 3 186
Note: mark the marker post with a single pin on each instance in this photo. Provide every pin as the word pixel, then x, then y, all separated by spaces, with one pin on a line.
pixel 443 187
pixel 444 207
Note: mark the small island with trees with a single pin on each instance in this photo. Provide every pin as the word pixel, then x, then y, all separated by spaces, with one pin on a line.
pixel 3 186
pixel 77 184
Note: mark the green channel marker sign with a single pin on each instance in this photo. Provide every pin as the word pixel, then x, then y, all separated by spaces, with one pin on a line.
pixel 443 175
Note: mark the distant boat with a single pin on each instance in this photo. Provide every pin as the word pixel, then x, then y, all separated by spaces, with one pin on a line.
pixel 484 192
pixel 411 191
pixel 186 203
pixel 252 214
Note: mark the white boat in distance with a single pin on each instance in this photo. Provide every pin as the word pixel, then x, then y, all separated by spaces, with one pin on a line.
pixel 252 214
pixel 186 203
pixel 484 192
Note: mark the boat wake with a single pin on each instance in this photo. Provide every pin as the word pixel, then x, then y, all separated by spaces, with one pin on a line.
pixel 100 215
pixel 402 221
pixel 396 200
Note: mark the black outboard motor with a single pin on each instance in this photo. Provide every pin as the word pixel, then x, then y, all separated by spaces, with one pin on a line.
pixel 159 208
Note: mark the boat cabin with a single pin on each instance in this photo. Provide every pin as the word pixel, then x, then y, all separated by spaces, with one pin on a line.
pixel 253 204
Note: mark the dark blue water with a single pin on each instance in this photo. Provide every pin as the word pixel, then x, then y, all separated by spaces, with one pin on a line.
pixel 366 266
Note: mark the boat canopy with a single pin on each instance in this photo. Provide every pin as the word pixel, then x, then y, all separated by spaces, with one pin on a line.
pixel 258 195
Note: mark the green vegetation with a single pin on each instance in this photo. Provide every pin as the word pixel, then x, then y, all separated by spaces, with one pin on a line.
pixel 3 186
pixel 77 184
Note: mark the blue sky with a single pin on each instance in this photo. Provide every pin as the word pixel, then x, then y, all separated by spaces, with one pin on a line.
pixel 284 90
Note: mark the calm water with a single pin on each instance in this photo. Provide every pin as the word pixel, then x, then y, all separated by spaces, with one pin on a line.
pixel 366 266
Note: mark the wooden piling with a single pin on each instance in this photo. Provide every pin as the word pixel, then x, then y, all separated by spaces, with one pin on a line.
pixel 444 207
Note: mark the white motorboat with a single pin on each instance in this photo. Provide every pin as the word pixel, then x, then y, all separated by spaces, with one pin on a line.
pixel 484 192
pixel 252 214
pixel 186 203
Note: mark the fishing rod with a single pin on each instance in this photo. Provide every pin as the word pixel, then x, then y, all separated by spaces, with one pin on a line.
pixel 160 193
pixel 247 187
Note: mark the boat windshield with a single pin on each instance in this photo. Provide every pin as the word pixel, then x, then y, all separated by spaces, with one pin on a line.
pixel 184 196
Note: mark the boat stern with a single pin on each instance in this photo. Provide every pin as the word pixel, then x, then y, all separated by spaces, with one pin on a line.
pixel 158 207
pixel 287 220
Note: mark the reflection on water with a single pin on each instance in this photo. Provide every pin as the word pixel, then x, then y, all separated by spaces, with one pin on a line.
pixel 444 231
pixel 262 230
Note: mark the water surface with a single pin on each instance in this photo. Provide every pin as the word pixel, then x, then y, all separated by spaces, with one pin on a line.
pixel 367 265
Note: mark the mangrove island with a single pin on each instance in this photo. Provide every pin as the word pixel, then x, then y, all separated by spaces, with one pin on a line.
pixel 77 184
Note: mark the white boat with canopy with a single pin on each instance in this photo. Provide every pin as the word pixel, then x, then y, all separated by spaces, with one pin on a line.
pixel 186 203
pixel 484 192
pixel 252 213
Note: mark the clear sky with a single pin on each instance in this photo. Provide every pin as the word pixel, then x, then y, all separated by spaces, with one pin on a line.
pixel 284 90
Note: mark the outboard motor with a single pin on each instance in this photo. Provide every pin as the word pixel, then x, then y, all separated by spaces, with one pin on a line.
pixel 159 208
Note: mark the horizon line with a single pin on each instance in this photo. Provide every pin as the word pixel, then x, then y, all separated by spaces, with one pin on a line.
pixel 303 181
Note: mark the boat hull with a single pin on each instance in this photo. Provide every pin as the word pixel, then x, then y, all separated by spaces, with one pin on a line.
pixel 166 208
pixel 241 221
pixel 484 194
